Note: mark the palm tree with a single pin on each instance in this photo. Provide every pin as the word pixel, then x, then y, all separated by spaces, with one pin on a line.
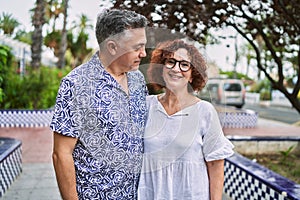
pixel 8 24
pixel 78 46
pixel 53 40
pixel 84 23
pixel 63 43
pixel 24 36
pixel 53 10
pixel 38 21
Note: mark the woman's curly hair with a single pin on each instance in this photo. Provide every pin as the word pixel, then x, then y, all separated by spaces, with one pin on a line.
pixel 166 50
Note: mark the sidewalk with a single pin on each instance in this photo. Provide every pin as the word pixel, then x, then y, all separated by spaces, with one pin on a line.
pixel 37 180
pixel 266 128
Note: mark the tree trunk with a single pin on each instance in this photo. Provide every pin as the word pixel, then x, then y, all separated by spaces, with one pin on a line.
pixel 63 44
pixel 38 22
pixel 292 97
pixel 296 104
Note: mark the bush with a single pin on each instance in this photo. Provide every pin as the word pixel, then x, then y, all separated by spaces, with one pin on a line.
pixel 5 61
pixel 36 89
pixel 265 95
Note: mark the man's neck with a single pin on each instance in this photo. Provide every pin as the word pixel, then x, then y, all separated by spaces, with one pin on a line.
pixel 111 67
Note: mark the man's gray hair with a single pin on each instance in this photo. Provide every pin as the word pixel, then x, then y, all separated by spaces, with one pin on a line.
pixel 114 21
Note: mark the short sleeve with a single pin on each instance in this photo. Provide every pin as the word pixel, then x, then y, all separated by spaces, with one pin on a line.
pixel 215 145
pixel 63 120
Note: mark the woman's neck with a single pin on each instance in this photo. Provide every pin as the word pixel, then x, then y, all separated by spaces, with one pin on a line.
pixel 175 102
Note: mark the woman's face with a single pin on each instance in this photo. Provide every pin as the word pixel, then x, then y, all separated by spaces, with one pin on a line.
pixel 175 78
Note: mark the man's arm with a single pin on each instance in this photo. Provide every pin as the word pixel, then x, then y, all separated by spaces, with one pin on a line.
pixel 216 179
pixel 64 165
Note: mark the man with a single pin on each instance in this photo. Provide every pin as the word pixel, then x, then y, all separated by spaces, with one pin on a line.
pixel 100 114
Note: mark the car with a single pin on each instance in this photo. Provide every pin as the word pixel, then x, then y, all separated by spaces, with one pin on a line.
pixel 224 92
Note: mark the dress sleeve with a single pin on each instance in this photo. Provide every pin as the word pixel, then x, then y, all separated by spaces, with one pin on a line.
pixel 64 118
pixel 215 145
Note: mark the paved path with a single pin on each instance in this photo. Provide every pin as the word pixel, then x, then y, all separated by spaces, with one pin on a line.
pixel 37 181
pixel 267 128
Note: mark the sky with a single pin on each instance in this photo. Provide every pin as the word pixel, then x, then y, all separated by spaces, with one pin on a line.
pixel 20 11
pixel 222 55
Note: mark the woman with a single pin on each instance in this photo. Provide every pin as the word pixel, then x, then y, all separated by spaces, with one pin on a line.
pixel 184 143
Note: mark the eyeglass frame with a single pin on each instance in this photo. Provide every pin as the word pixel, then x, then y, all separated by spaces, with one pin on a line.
pixel 175 62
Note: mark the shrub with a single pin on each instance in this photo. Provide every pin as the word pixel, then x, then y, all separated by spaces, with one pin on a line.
pixel 36 89
pixel 5 61
pixel 265 95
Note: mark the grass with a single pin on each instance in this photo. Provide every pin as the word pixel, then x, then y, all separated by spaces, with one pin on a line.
pixel 285 163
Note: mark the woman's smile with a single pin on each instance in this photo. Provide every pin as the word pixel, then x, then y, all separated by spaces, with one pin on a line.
pixel 175 75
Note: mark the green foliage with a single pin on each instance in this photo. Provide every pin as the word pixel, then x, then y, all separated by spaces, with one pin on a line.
pixel 5 61
pixel 53 40
pixel 263 87
pixel 265 95
pixel 7 23
pixel 78 47
pixel 5 57
pixel 37 89
pixel 296 172
pixel 24 36
pixel 287 153
pixel 232 74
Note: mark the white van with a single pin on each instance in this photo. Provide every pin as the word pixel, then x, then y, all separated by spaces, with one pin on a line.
pixel 224 91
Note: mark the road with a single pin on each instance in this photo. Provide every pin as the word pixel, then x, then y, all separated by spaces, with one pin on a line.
pixel 282 114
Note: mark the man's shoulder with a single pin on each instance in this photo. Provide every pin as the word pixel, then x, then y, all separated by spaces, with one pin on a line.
pixel 89 70
pixel 75 73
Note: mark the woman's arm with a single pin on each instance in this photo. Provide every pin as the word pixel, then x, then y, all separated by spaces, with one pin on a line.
pixel 64 166
pixel 216 178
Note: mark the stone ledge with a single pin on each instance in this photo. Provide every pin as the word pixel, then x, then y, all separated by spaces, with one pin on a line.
pixel 264 145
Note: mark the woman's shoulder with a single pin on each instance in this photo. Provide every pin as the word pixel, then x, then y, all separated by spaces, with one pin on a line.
pixel 205 104
pixel 206 108
pixel 151 98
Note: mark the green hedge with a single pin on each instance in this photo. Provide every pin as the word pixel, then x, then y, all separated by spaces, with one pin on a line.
pixel 36 89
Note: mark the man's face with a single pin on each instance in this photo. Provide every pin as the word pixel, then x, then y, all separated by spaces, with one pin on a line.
pixel 131 49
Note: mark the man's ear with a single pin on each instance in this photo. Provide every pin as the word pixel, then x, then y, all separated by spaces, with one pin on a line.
pixel 111 47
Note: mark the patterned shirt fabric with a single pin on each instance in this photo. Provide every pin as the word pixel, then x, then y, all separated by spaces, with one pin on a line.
pixel 176 150
pixel 109 125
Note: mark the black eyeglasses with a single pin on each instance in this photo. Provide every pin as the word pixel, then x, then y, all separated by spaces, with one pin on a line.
pixel 184 65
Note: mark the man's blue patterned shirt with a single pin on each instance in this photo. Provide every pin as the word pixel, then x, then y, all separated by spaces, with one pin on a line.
pixel 109 125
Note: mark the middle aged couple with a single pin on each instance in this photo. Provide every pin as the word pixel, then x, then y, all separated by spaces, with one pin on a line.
pixel 114 141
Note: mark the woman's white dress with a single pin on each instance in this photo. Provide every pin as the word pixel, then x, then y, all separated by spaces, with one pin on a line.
pixel 176 148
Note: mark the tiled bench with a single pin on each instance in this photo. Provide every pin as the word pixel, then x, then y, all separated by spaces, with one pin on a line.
pixel 25 118
pixel 231 118
pixel 247 180
pixel 10 162
pixel 238 118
